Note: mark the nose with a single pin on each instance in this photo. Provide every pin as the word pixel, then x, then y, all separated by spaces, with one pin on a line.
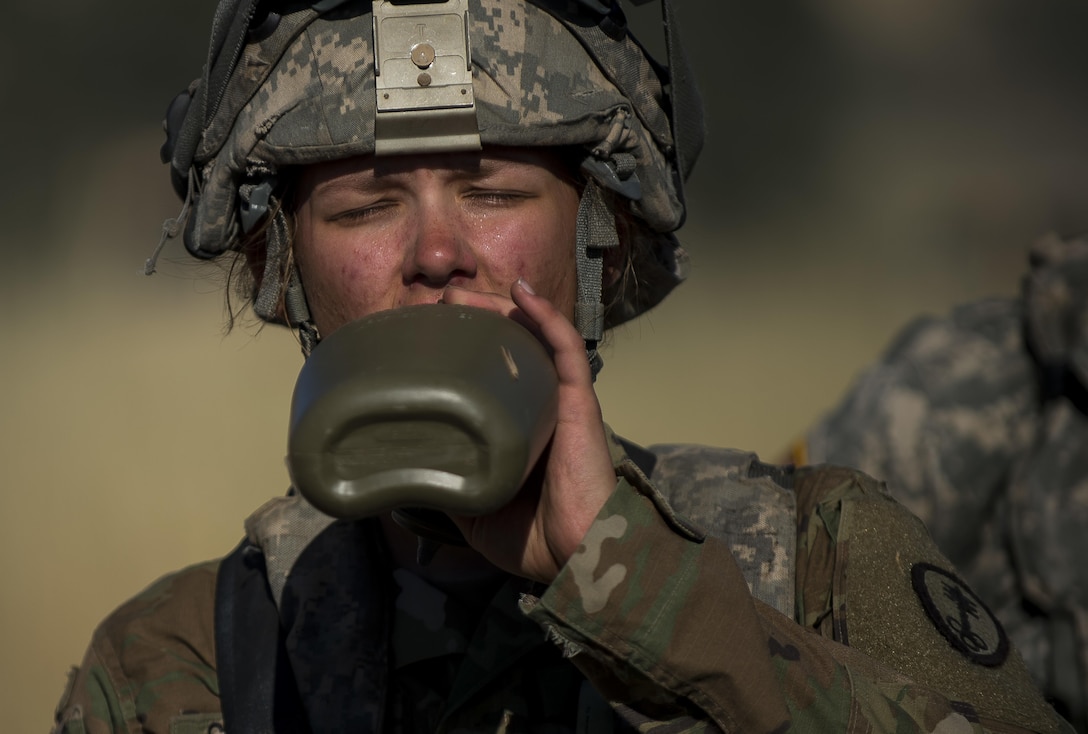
pixel 440 252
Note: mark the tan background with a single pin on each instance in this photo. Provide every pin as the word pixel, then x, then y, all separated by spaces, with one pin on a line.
pixel 865 165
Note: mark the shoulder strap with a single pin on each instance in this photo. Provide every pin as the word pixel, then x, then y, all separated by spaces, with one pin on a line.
pixel 256 685
pixel 748 504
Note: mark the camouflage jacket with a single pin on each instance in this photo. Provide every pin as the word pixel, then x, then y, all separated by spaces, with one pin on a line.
pixel 979 422
pixel 848 620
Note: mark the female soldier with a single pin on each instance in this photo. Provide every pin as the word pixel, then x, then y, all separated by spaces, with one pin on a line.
pixel 520 156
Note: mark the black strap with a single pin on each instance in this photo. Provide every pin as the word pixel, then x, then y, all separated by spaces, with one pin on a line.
pixel 256 686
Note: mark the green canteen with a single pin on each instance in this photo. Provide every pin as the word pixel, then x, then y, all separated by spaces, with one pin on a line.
pixel 435 408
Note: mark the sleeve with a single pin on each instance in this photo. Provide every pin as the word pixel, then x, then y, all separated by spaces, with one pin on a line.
pixel 151 664
pixel 92 703
pixel 660 620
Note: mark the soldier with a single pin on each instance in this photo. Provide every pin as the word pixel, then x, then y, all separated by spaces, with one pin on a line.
pixel 525 157
pixel 979 421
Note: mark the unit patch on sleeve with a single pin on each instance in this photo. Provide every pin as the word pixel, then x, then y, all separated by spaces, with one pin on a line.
pixel 960 615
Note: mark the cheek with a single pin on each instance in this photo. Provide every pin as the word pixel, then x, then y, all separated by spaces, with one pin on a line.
pixel 533 248
pixel 550 256
pixel 338 278
pixel 350 267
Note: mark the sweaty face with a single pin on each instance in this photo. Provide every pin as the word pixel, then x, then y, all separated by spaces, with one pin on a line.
pixel 378 233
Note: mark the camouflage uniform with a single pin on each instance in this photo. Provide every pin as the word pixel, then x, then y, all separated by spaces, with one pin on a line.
pixel 655 624
pixel 979 422
pixel 711 593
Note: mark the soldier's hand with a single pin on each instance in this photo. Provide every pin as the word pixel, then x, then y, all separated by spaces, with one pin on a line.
pixel 537 532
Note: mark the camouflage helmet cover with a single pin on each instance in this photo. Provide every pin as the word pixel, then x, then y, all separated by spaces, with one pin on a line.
pixel 545 73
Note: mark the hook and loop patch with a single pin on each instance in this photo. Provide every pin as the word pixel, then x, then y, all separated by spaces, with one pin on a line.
pixel 959 615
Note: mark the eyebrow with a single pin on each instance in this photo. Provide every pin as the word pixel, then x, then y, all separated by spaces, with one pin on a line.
pixel 386 171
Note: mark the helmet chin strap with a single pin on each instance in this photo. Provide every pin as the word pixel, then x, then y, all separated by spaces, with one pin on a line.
pixel 281 284
pixel 298 312
pixel 596 232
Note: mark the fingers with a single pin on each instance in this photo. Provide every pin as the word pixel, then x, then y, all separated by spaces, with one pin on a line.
pixel 557 332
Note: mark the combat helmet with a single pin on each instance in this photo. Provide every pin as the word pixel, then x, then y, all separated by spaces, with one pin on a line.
pixel 290 83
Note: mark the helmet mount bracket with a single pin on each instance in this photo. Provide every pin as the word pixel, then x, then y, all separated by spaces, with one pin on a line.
pixel 423 78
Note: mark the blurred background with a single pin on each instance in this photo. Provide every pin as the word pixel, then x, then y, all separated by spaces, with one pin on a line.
pixel 867 162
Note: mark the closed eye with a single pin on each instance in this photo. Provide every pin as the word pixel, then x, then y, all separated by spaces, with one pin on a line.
pixel 359 214
pixel 497 197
